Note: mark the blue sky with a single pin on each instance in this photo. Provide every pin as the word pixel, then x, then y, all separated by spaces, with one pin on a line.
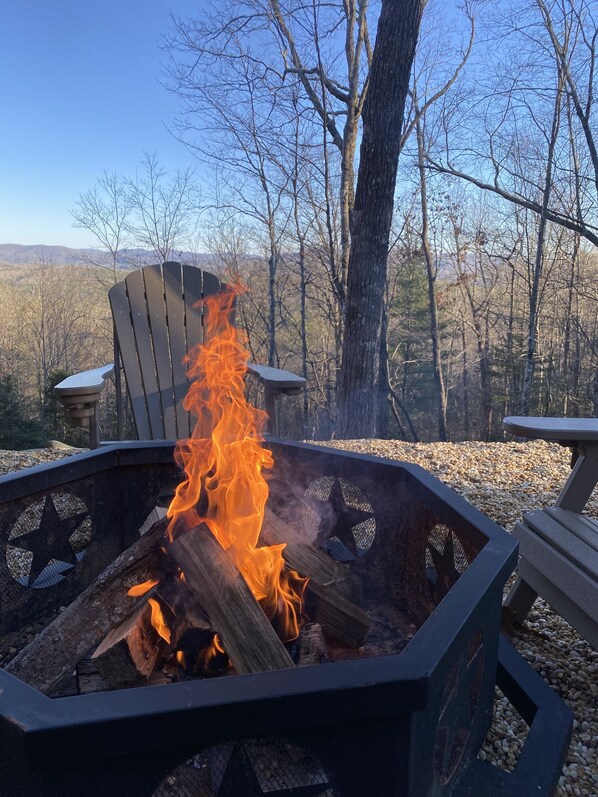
pixel 79 83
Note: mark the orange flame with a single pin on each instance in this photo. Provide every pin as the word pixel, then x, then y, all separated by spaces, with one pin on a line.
pixel 157 620
pixel 226 471
pixel 140 589
pixel 210 657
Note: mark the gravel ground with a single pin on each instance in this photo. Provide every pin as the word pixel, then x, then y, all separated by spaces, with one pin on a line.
pixel 16 460
pixel 503 480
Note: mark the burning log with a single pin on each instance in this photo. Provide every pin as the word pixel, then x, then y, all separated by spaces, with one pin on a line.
pixel 312 646
pixel 245 631
pixel 212 597
pixel 338 617
pixel 173 593
pixel 330 585
pixel 125 627
pixel 55 651
pixel 303 557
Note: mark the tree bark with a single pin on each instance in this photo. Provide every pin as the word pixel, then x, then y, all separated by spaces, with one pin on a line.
pixel 431 273
pixel 534 294
pixel 398 29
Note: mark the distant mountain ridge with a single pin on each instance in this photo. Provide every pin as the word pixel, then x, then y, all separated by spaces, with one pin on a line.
pixel 30 254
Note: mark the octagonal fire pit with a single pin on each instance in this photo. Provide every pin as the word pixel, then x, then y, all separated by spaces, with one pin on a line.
pixel 408 722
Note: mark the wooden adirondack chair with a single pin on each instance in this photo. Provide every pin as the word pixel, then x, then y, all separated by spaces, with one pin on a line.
pixel 155 324
pixel 559 545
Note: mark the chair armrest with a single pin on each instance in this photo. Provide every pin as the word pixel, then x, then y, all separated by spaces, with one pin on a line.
pixel 554 429
pixel 85 383
pixel 79 395
pixel 275 380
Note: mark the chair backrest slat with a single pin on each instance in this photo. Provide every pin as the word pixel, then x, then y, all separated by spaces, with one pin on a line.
pixel 144 351
pixel 126 346
pixel 173 289
pixel 154 293
pixel 211 286
pixel 192 296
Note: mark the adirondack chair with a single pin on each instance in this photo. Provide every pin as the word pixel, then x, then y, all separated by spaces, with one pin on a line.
pixel 155 324
pixel 559 545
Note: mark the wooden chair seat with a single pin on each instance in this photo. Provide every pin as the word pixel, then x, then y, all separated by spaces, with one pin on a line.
pixel 558 545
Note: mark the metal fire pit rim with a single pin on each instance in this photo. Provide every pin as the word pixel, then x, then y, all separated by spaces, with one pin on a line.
pixel 249 700
pixel 550 722
pixel 122 453
pixel 47 475
pixel 128 453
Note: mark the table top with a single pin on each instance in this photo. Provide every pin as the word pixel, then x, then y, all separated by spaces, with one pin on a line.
pixel 553 428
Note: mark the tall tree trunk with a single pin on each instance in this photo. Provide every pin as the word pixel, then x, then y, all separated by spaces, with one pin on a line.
pixel 431 272
pixel 534 297
pixel 359 389
pixel 571 364
pixel 465 382
pixel 272 268
pixel 509 364
pixel 383 383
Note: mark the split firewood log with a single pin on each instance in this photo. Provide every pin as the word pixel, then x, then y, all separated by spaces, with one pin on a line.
pixel 246 633
pixel 331 585
pixel 85 622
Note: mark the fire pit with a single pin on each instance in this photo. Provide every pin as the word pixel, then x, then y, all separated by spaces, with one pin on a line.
pixel 408 723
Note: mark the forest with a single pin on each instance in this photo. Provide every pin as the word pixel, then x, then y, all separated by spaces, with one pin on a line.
pixel 489 290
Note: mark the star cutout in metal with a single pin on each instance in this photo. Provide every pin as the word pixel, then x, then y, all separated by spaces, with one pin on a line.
pixel 50 540
pixel 444 565
pixel 342 520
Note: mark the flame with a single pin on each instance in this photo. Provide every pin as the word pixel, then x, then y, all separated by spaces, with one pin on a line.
pixel 211 656
pixel 157 620
pixel 225 473
pixel 140 589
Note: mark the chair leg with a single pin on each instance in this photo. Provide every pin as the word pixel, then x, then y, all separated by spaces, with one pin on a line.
pixel 520 599
pixel 94 427
pixel 270 405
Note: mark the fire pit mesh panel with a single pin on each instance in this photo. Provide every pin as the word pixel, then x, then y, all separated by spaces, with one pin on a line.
pixel 49 546
pixel 48 539
pixel 54 542
pixel 253 767
pixel 340 517
pixel 446 560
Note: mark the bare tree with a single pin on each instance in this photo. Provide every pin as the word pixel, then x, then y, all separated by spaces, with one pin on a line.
pixel 165 207
pixel 295 72
pixel 508 101
pixel 105 211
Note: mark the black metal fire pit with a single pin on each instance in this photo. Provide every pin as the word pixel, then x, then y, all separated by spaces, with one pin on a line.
pixel 405 724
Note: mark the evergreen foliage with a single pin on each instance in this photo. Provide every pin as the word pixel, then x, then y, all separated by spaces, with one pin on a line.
pixel 17 429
